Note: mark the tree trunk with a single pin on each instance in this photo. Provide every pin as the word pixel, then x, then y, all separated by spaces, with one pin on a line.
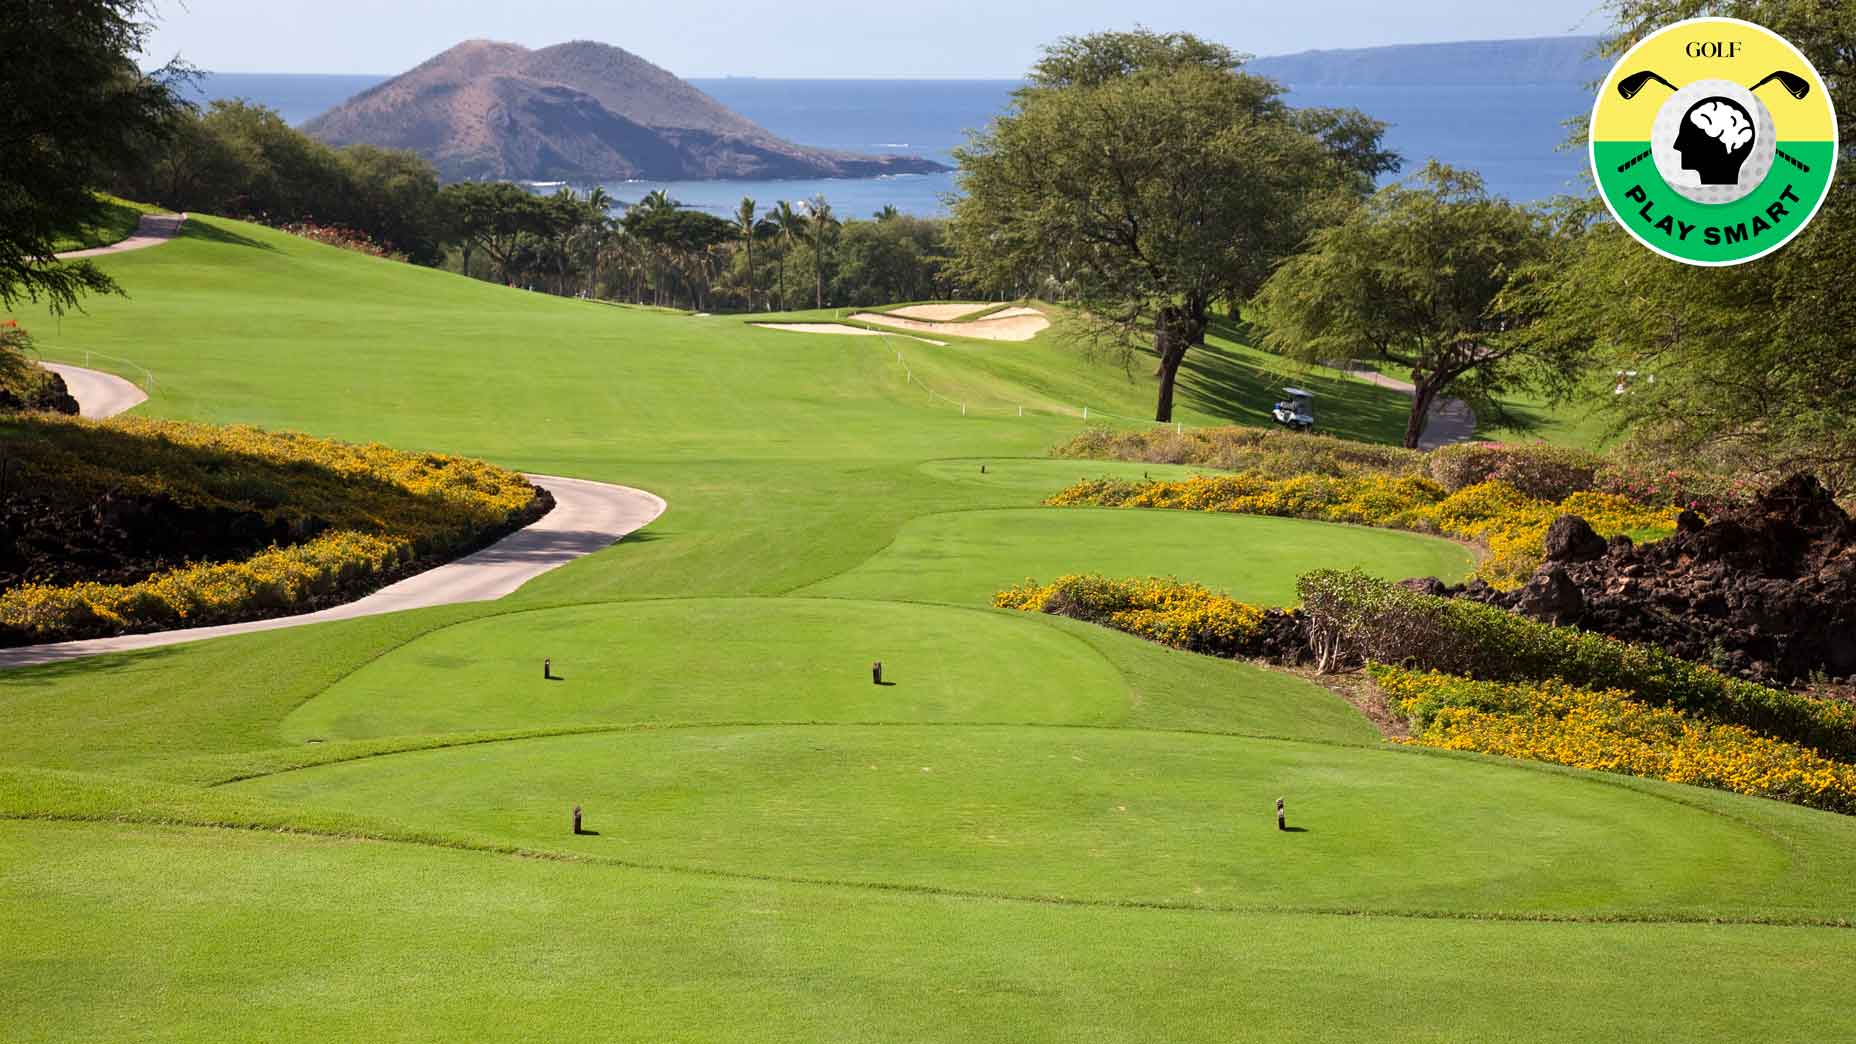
pixel 1175 330
pixel 1424 393
pixel 1169 372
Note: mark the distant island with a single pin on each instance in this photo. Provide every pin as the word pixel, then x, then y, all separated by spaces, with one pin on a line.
pixel 575 111
pixel 1541 60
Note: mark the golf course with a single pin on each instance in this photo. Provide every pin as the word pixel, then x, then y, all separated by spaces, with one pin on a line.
pixel 1033 828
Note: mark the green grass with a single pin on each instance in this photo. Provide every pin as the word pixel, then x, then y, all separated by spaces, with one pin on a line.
pixel 116 222
pixel 1579 424
pixel 771 659
pixel 179 860
pixel 795 659
pixel 399 942
pixel 964 557
pixel 1090 814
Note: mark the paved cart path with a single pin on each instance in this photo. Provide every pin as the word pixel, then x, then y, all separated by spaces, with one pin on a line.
pixel 152 230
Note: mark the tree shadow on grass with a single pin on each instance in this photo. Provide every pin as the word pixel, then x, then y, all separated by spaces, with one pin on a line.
pixel 215 233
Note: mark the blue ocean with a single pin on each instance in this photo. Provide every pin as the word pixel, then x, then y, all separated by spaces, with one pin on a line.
pixel 1513 134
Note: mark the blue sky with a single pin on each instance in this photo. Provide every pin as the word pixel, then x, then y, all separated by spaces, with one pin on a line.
pixel 809 38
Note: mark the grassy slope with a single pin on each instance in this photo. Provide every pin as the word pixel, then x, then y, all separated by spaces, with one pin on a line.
pixel 1581 424
pixel 117 222
pixel 963 557
pixel 1224 382
pixel 790 460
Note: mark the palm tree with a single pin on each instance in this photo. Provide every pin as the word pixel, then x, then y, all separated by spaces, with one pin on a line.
pixel 745 226
pixel 889 211
pixel 824 228
pixel 593 234
pixel 791 225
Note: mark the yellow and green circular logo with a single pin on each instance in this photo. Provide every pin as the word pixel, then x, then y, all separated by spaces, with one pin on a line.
pixel 1714 141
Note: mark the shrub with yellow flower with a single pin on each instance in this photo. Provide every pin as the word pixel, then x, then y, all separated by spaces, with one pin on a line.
pixel 1610 731
pixel 1511 524
pixel 1181 615
pixel 357 514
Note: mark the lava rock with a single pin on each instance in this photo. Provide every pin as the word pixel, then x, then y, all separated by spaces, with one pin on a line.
pixel 1571 539
pixel 1551 596
pixel 1765 591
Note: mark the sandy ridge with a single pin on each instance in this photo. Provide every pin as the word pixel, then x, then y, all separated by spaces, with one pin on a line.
pixel 1022 325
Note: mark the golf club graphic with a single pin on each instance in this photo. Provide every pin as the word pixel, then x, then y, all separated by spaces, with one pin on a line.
pixel 1630 86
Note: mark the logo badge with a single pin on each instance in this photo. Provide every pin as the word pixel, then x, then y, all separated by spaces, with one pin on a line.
pixel 1714 141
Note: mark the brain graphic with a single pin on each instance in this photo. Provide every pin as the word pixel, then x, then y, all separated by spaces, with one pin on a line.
pixel 1723 123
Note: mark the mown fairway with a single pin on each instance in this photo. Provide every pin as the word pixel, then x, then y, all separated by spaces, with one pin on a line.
pixel 1042 830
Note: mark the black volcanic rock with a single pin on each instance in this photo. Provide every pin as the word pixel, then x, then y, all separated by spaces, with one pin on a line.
pixel 1572 539
pixel 1552 597
pixel 1767 591
pixel 578 110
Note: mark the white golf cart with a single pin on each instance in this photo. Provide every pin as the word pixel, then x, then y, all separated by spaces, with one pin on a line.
pixel 1295 413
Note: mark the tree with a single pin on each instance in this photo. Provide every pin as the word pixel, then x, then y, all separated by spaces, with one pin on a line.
pixel 566 218
pixel 746 227
pixel 243 160
pixel 1753 366
pixel 791 225
pixel 1153 179
pixel 898 258
pixel 495 217
pixel 1435 276
pixel 392 195
pixel 823 226
pixel 590 240
pixel 76 108
pixel 684 241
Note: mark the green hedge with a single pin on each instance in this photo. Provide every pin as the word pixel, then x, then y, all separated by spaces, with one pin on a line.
pixel 1354 618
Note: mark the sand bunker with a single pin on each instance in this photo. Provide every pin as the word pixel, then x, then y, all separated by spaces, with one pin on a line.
pixel 839 328
pixel 1025 324
pixel 938 312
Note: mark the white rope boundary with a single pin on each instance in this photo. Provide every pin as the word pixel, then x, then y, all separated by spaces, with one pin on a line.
pixel 148 376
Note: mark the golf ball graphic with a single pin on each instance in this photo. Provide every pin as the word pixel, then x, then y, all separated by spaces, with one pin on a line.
pixel 1713 141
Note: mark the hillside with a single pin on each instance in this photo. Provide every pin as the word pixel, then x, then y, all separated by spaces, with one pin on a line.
pixel 1547 59
pixel 485 109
